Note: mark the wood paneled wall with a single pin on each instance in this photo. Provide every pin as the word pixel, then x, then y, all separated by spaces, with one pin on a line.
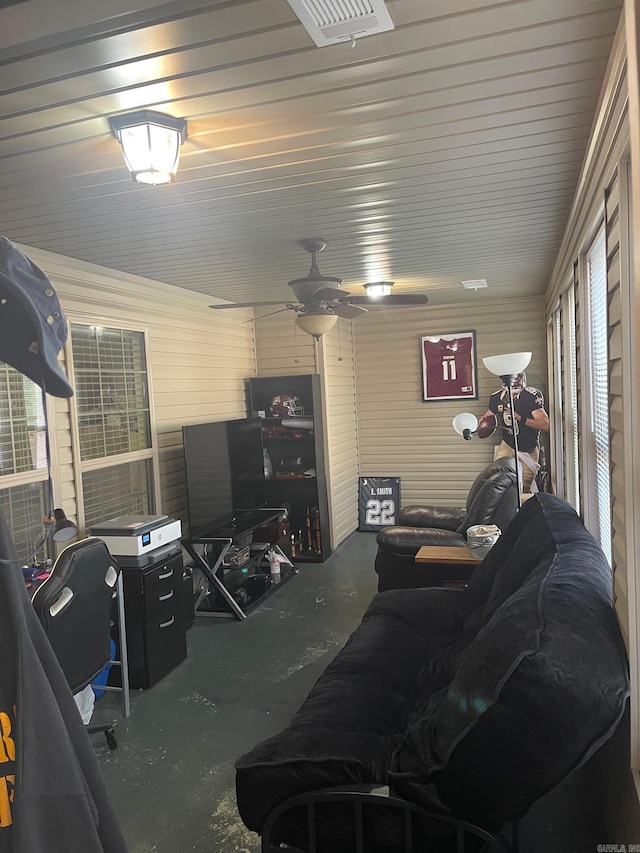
pixel 619 485
pixel 198 360
pixel 402 436
pixel 341 430
pixel 284 349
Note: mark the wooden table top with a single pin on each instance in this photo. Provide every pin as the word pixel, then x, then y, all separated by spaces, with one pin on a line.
pixel 446 554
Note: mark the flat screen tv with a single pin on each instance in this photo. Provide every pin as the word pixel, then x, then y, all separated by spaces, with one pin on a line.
pixel 208 474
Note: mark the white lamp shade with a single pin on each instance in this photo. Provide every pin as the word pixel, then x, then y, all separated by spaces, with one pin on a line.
pixel 151 144
pixel 316 324
pixel 378 288
pixel 509 364
pixel 465 421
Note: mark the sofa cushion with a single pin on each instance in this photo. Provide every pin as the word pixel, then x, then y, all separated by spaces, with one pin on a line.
pixel 350 723
pixel 539 687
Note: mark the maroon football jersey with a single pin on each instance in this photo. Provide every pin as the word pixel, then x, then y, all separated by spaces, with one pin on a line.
pixel 448 368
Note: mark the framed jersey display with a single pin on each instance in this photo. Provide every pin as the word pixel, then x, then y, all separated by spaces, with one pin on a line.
pixel 379 502
pixel 449 367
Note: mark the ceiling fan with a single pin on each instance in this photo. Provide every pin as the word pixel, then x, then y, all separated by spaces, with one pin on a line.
pixel 320 301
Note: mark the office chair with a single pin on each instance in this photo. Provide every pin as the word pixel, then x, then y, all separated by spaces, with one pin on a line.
pixel 74 607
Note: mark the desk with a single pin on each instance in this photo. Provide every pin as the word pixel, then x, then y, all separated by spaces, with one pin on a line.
pixel 448 555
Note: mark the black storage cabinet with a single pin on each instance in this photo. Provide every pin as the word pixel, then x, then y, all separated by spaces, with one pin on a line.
pixel 305 497
pixel 155 620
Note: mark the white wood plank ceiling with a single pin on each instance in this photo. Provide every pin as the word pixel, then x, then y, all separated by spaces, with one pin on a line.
pixel 446 149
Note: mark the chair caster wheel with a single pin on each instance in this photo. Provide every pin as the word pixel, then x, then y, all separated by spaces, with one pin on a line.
pixel 112 741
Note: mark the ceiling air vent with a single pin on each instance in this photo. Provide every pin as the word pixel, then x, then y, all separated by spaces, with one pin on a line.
pixel 475 283
pixel 333 21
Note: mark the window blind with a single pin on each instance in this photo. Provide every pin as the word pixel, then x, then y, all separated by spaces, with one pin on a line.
pixel 597 290
pixel 114 420
pixel 571 407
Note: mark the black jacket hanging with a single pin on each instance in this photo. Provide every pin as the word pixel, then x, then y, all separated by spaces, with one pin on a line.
pixel 52 796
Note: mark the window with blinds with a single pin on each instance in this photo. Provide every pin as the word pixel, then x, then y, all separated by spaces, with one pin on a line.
pixel 572 440
pixel 23 460
pixel 558 409
pixel 596 264
pixel 107 490
pixel 113 421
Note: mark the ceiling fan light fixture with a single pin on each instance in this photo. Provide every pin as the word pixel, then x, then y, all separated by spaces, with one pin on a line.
pixel 378 288
pixel 150 143
pixel 316 324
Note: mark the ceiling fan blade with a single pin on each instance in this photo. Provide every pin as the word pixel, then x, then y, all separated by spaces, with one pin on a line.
pixel 391 299
pixel 272 313
pixel 346 310
pixel 329 293
pixel 246 304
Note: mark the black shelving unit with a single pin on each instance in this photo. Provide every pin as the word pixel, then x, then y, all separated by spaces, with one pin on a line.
pixel 295 448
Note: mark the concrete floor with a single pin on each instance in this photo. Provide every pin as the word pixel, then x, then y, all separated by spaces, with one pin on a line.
pixel 172 777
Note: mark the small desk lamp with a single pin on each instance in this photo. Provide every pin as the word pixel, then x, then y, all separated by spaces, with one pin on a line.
pixel 507 367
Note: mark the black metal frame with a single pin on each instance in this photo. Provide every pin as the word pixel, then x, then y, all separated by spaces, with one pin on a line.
pixel 360 795
pixel 222 545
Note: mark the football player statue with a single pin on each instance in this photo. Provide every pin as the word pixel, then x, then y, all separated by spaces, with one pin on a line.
pixel 528 419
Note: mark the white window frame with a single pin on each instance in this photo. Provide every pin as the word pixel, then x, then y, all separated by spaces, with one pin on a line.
pixel 561 343
pixel 40 476
pixel 590 492
pixel 148 454
pixel 569 378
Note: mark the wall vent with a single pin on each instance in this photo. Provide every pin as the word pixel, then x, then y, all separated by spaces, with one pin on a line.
pixel 334 21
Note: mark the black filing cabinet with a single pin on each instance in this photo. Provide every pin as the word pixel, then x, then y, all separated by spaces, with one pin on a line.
pixel 154 617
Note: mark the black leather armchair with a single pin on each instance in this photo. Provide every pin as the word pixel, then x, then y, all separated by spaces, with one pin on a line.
pixel 492 499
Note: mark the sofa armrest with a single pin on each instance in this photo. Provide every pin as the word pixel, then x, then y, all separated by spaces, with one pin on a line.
pixel 444 517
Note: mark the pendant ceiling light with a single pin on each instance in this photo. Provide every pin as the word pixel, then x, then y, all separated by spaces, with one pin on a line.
pixel 151 144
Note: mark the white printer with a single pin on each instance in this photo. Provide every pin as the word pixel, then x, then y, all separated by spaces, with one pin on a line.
pixel 136 535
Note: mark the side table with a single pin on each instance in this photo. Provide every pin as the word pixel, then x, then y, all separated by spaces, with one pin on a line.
pixel 457 564
pixel 447 554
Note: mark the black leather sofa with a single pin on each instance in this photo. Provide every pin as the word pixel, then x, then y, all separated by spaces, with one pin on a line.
pixel 467 705
pixel 492 499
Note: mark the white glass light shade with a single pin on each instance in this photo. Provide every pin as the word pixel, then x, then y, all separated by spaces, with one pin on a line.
pixel 316 324
pixel 151 144
pixel 465 422
pixel 378 288
pixel 509 364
